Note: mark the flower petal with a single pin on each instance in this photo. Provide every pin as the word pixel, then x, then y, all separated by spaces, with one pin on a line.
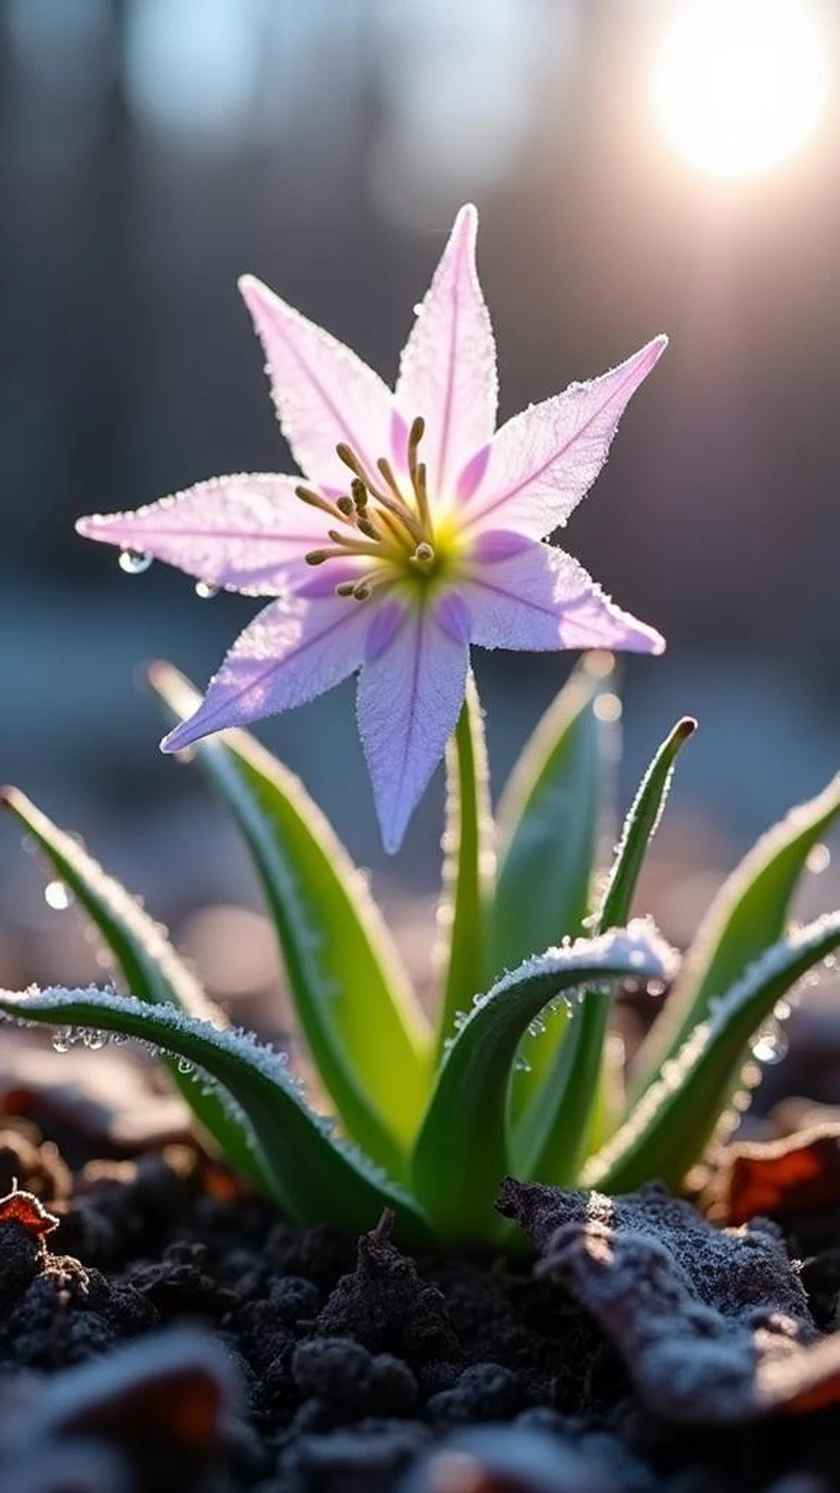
pixel 448 365
pixel 248 533
pixel 544 460
pixel 407 707
pixel 322 391
pixel 293 650
pixel 541 598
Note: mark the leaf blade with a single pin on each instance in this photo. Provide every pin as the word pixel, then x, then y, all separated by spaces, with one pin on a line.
pixel 367 1034
pixel 461 1152
pixel 150 966
pixel 747 916
pixel 314 1178
pixel 670 1126
pixel 552 1135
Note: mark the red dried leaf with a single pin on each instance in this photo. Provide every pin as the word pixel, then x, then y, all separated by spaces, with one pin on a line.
pixel 27 1210
pixel 797 1174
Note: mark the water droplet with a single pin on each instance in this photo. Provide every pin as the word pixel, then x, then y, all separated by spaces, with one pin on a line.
pixel 62 1040
pixel 818 859
pixel 769 1045
pixel 57 896
pixel 134 562
pixel 206 590
pixel 184 1065
pixel 95 1040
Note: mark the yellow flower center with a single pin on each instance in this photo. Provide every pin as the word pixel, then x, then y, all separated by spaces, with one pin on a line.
pixel 380 522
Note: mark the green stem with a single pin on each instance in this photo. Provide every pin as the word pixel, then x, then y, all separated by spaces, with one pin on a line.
pixel 469 865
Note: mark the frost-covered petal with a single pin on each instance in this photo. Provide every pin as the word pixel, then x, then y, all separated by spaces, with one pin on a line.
pixel 541 598
pixel 448 365
pixel 248 533
pixel 408 703
pixel 294 650
pixel 544 460
pixel 322 391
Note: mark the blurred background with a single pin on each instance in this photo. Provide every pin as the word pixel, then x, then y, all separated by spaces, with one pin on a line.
pixel 639 166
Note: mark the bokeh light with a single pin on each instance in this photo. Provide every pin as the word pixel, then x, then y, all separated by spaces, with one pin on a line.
pixel 739 85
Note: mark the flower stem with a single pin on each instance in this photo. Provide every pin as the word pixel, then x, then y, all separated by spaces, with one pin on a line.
pixel 469 866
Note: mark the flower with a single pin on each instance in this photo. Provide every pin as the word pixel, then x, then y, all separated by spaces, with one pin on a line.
pixel 418 531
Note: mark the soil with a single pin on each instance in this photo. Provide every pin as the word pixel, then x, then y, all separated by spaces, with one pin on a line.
pixel 354 1363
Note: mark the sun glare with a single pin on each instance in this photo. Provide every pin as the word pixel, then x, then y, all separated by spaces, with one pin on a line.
pixel 739 85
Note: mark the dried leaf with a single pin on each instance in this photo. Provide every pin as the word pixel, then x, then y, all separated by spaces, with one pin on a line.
pixel 713 1325
pixel 796 1174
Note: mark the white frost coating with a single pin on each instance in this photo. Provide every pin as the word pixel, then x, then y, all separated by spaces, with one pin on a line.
pixel 675 1071
pixel 271 1063
pixel 640 944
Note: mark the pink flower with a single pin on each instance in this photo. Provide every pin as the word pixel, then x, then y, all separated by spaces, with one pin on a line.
pixel 418 532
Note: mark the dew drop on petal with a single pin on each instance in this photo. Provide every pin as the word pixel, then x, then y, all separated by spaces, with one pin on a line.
pixel 769 1045
pixel 57 896
pixel 184 1065
pixel 134 562
pixel 206 590
pixel 62 1040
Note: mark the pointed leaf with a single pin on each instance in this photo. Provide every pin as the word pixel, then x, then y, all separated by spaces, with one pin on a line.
pixel 669 1128
pixel 469 864
pixel 315 1178
pixel 361 1020
pixel 746 917
pixel 150 966
pixel 552 1137
pixel 461 1153
pixel 549 826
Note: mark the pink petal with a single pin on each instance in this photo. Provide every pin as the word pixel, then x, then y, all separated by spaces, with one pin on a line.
pixel 448 365
pixel 322 391
pixel 293 651
pixel 408 703
pixel 543 599
pixel 544 460
pixel 248 533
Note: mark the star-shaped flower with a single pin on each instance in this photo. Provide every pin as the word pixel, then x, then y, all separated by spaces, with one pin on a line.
pixel 418 530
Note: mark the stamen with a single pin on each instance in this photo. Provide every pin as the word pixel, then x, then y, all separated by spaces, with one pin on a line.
pixel 424 554
pixel 317 557
pixel 355 546
pixel 360 493
pixel 315 500
pixel 346 506
pixel 419 482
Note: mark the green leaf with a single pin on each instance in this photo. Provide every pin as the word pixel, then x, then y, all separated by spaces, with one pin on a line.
pixel 469 864
pixel 551 1139
pixel 366 1033
pixel 669 1128
pixel 149 965
pixel 461 1153
pixel 548 821
pixel 746 917
pixel 314 1178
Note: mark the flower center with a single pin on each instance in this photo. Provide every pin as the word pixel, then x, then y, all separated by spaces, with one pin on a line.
pixel 378 522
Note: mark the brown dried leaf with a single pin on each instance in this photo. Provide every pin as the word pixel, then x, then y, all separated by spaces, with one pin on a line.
pixel 712 1324
pixel 27 1210
pixel 794 1175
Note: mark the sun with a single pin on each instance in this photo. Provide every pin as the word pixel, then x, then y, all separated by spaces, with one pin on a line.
pixel 739 85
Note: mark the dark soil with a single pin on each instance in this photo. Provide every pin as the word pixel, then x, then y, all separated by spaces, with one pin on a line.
pixel 355 1361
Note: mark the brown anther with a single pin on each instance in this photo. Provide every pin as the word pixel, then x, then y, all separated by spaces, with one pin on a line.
pixel 424 554
pixel 315 500
pixel 346 506
pixel 316 557
pixel 366 527
pixel 359 492
pixel 346 588
pixel 346 454
pixel 361 591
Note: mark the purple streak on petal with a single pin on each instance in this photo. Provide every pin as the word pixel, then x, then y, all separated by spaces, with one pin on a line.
pixel 248 532
pixel 543 599
pixel 293 651
pixel 399 440
pixel 322 391
pixel 407 707
pixel 453 614
pixel 544 460
pixel 448 365
pixel 499 544
pixel 472 474
pixel 385 624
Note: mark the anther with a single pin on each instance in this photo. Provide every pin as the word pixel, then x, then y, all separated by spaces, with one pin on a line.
pixel 361 591
pixel 346 588
pixel 315 500
pixel 346 506
pixel 316 557
pixel 349 457
pixel 424 554
pixel 366 527
pixel 359 492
